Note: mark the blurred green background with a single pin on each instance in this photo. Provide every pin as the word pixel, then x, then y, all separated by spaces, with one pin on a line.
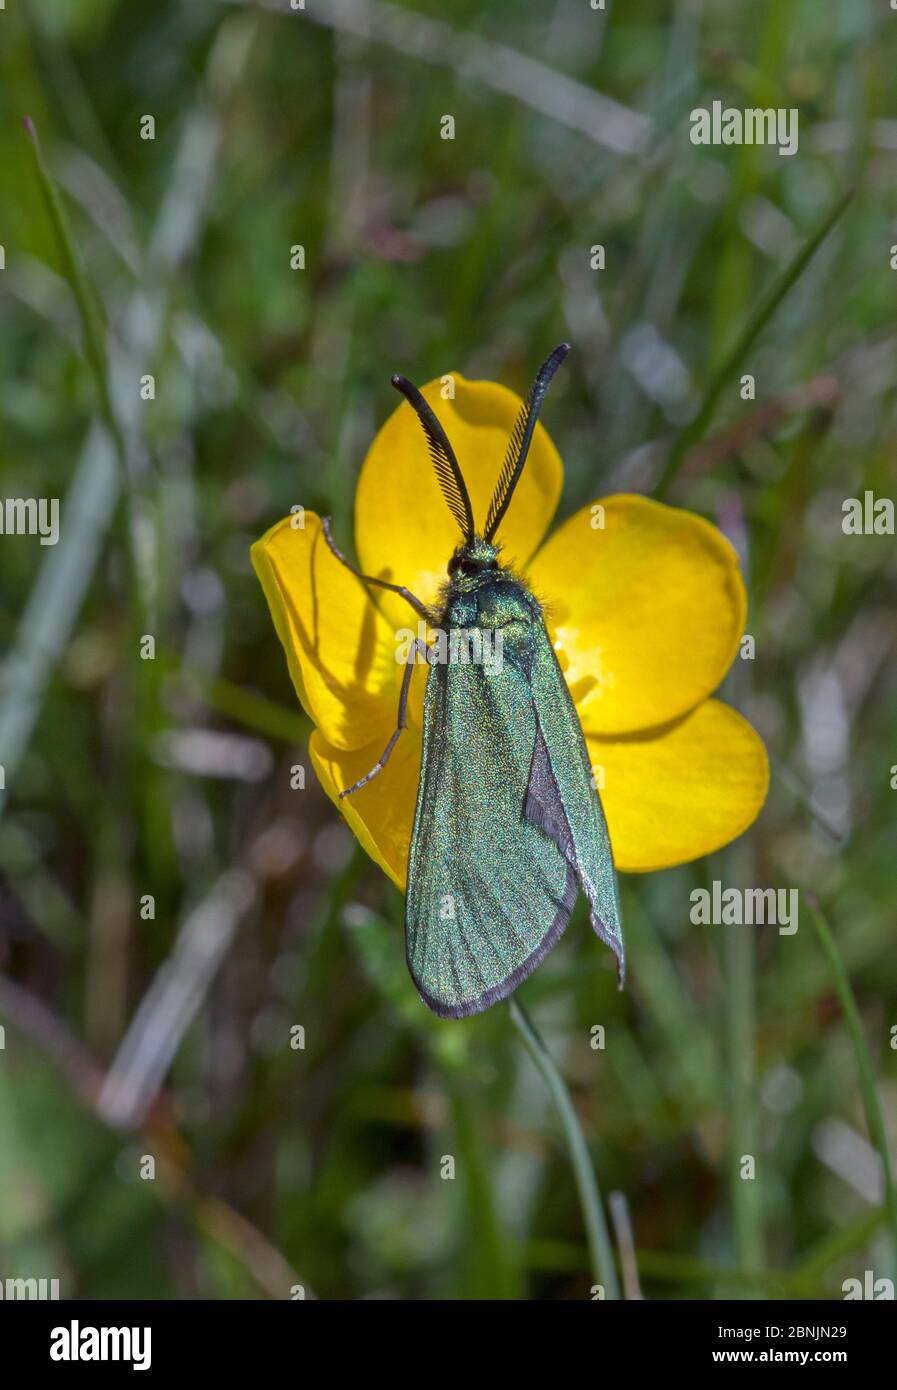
pixel 128 1035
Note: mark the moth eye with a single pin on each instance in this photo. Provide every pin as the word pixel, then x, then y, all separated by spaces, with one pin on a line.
pixel 469 567
pixel 493 565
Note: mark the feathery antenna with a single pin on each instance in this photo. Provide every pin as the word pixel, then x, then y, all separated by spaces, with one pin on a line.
pixel 521 437
pixel 448 472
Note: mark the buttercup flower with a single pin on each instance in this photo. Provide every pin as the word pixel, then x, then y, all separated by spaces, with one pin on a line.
pixel 644 603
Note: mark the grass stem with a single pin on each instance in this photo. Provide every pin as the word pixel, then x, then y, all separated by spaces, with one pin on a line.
pixel 600 1249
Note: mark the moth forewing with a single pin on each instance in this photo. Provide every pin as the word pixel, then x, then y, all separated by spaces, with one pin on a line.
pixel 576 805
pixel 507 823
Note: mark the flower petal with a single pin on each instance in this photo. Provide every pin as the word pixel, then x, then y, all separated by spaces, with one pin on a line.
pixel 339 647
pixel 381 814
pixel 404 531
pixel 646 612
pixel 681 791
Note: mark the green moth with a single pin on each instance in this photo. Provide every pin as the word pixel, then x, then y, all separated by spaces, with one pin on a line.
pixel 508 825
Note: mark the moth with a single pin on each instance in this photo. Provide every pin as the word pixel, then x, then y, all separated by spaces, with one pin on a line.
pixel 508 825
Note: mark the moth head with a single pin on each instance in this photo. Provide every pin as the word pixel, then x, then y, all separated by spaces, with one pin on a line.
pixel 451 479
pixel 472 560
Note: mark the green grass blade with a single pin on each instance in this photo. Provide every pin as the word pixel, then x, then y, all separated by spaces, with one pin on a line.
pixel 91 321
pixel 865 1067
pixel 834 1247
pixel 745 341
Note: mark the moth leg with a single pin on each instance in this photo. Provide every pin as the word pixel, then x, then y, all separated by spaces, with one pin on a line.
pixel 416 646
pixel 417 604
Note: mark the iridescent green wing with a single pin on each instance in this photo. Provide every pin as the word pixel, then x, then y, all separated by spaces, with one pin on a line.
pixel 563 799
pixel 488 894
pixel 501 834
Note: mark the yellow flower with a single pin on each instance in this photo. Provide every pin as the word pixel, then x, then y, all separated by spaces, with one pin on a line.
pixel 644 603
